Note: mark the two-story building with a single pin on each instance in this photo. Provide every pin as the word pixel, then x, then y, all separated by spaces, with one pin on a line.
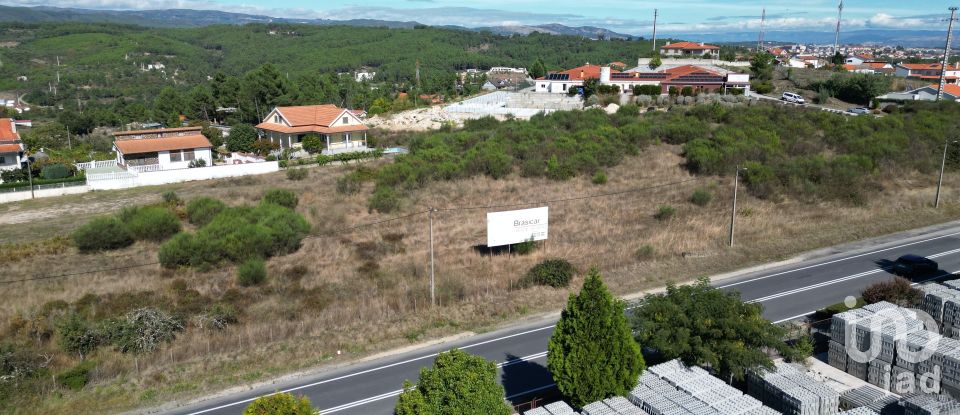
pixel 12 150
pixel 162 148
pixel 700 79
pixel 690 50
pixel 928 71
pixel 340 129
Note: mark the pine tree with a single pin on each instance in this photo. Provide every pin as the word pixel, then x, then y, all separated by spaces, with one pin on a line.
pixel 538 69
pixel 458 383
pixel 592 354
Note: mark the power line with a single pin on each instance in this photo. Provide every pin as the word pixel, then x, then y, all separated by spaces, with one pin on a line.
pixel 73 274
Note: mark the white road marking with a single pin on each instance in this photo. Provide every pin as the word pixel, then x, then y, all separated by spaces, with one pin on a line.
pixel 838 260
pixel 387 395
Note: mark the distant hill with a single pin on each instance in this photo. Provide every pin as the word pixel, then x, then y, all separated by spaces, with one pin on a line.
pixel 908 38
pixel 557 29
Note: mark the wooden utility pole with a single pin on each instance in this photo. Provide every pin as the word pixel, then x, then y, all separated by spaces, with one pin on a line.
pixel 433 300
pixel 655 13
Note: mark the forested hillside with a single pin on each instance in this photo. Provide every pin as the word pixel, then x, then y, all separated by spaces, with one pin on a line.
pixel 103 64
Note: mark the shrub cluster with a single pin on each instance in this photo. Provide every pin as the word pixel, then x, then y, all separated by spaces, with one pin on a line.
pixel 101 234
pixel 282 197
pixel 238 234
pixel 555 273
pixel 152 223
pixel 202 210
pixel 297 174
pixel 252 272
pixel 701 197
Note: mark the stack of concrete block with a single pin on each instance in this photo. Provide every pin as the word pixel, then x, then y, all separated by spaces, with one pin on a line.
pixel 935 298
pixel 859 411
pixel 910 349
pixel 790 390
pixel 841 321
pixel 878 373
pixel 930 405
pixel 675 389
pixel 612 406
pixel 837 355
pixel 555 408
pixel 861 396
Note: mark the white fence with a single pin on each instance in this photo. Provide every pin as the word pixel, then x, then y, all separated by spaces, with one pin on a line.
pixel 96 164
pixel 152 178
pixel 694 61
pixel 145 168
pixel 46 190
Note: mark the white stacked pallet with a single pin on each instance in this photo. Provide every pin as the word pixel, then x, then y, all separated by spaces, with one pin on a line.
pixel 560 408
pixel 910 349
pixel 537 411
pixel 859 411
pixel 738 405
pixel 840 322
pixel 930 405
pixel 934 298
pixel 861 396
pixel 837 355
pixel 878 373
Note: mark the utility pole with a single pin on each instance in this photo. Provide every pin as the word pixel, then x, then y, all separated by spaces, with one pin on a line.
pixel 946 54
pixel 836 39
pixel 733 210
pixel 763 21
pixel 655 13
pixel 30 175
pixel 943 164
pixel 433 301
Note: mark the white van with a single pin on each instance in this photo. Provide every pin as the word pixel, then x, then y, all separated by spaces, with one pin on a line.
pixel 791 97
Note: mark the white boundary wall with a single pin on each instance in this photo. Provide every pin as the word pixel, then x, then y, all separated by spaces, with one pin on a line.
pixel 153 178
pixel 698 62
pixel 57 191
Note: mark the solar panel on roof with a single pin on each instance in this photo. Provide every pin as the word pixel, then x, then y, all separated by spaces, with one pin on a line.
pixel 558 77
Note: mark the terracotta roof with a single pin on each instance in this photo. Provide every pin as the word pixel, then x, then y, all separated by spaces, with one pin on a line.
pixel 688 69
pixel 927 66
pixel 323 115
pixel 6 130
pixel 581 73
pixel 876 65
pixel 11 148
pixel 157 130
pixel 850 67
pixel 689 46
pixel 951 89
pixel 310 128
pixel 150 145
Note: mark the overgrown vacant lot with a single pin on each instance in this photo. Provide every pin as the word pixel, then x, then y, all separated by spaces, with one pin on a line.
pixel 362 290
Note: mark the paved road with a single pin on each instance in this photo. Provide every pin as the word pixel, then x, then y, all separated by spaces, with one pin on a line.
pixel 786 292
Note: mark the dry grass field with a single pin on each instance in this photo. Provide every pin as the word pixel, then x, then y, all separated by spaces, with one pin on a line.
pixel 365 290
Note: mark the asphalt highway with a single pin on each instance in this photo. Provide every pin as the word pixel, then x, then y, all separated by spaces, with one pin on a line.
pixel 786 292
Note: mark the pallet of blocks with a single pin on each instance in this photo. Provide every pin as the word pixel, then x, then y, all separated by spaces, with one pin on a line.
pixel 930 405
pixel 555 408
pixel 790 390
pixel 862 396
pixel 837 355
pixel 878 373
pixel 612 406
pixel 859 411
pixel 673 388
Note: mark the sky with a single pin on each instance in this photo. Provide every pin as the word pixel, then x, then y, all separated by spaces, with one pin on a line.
pixel 625 16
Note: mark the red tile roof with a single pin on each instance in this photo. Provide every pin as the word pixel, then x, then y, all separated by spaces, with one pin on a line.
pixel 850 67
pixel 687 70
pixel 157 130
pixel 151 145
pixel 951 89
pixel 11 148
pixel 311 118
pixel 689 46
pixel 584 72
pixel 6 130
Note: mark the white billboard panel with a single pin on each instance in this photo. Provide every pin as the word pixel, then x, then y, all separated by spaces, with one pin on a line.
pixel 515 226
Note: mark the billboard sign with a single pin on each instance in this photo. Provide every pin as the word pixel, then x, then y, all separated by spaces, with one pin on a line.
pixel 515 226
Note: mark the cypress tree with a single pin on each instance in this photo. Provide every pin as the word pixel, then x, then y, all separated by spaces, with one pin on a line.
pixel 592 353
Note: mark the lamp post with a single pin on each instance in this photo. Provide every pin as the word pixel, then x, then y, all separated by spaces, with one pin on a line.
pixel 943 164
pixel 733 210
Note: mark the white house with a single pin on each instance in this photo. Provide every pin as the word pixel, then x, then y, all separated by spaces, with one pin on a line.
pixel 12 154
pixel 162 149
pixel 700 79
pixel 341 129
pixel 690 49
pixel 951 92
pixel 361 76
pixel 928 71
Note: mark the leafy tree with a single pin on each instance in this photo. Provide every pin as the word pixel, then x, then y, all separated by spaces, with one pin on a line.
pixel 761 65
pixel 280 404
pixel 76 123
pixel 241 138
pixel 703 325
pixel 538 69
pixel 45 135
pixel 168 106
pixel 200 104
pixel 838 59
pixel 458 383
pixel 214 135
pixel 263 147
pixel 77 336
pixel 655 61
pixel 592 354
pixel 856 88
pixel 897 291
pixel 312 143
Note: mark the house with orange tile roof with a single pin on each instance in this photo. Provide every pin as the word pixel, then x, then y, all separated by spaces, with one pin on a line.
pixel 162 149
pixel 340 129
pixel 928 71
pixel 700 79
pixel 690 49
pixel 951 92
pixel 12 154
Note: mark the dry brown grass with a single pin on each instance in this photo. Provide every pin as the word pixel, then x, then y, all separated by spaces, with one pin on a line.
pixel 360 308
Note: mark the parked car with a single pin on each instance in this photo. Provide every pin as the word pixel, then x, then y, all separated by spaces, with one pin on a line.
pixel 910 265
pixel 859 110
pixel 792 97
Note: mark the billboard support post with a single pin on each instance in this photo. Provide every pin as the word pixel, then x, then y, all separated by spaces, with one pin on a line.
pixel 433 301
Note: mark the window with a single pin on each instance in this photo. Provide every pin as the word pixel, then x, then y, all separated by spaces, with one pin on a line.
pixel 345 120
pixel 188 155
pixel 175 156
pixel 3 160
pixel 276 119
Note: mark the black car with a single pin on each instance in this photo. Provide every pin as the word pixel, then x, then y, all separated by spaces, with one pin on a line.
pixel 914 265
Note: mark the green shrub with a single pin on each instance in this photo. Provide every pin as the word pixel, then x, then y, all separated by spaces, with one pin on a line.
pixel 78 376
pixel 202 210
pixel 384 200
pixel 297 174
pixel 687 91
pixel 323 159
pixel 100 234
pixel 312 143
pixel 552 272
pixel 524 248
pixel 665 212
pixel 285 228
pixel 171 198
pixel 282 197
pixel 761 87
pixel 650 90
pixel 349 184
pixel 178 252
pixel 55 171
pixel 701 197
pixel 646 252
pixel 600 177
pixel 252 272
pixel 280 404
pixel 153 223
